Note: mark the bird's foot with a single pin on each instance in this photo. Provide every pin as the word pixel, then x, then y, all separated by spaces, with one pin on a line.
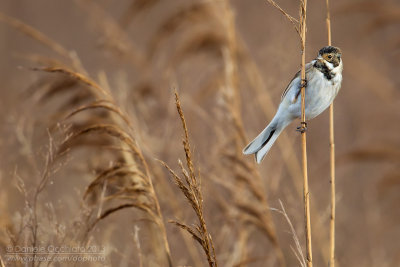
pixel 303 83
pixel 302 128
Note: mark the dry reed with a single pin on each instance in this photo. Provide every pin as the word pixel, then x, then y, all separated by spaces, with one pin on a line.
pixel 298 251
pixel 226 44
pixel 106 127
pixel 190 185
pixel 306 193
pixel 301 30
pixel 332 158
pixel 137 190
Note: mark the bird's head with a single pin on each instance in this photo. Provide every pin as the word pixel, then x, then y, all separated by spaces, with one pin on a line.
pixel 330 54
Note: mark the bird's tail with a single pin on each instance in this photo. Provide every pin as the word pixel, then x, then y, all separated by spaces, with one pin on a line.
pixel 263 142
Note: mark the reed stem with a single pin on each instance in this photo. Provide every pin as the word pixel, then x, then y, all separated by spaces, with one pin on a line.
pixel 306 193
pixel 332 158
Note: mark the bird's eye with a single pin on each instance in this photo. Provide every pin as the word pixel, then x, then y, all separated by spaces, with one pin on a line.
pixel 329 56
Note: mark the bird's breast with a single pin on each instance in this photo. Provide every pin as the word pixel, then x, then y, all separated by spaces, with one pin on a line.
pixel 320 93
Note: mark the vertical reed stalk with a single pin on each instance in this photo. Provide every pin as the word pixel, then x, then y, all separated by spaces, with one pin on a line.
pixel 332 157
pixel 300 27
pixel 306 195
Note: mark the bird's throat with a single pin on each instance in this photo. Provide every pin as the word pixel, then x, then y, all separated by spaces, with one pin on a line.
pixel 323 68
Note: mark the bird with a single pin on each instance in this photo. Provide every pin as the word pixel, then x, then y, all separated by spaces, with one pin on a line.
pixel 322 83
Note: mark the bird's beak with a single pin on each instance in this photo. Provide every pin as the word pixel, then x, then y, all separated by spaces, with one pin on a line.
pixel 320 60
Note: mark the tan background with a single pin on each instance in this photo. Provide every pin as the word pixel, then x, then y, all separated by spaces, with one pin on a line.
pixel 367 120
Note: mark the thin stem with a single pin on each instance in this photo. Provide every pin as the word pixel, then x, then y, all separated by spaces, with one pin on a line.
pixel 306 193
pixel 289 17
pixel 333 189
pixel 328 23
pixel 332 157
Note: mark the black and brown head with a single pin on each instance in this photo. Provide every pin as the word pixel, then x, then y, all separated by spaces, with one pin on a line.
pixel 331 54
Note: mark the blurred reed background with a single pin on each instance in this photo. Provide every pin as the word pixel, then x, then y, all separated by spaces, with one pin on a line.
pixel 88 112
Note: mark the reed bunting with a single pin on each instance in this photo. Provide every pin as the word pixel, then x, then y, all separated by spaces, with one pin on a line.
pixel 322 84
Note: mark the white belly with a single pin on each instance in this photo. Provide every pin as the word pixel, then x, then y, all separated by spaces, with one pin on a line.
pixel 320 93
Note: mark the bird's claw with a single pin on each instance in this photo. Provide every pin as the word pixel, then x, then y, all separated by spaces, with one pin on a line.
pixel 303 83
pixel 302 128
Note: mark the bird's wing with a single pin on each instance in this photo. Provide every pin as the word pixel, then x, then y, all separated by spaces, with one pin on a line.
pixel 289 85
pixel 308 69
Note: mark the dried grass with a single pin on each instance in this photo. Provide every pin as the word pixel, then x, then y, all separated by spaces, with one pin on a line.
pixel 190 185
pixel 332 224
pixel 124 185
pixel 105 128
pixel 301 30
